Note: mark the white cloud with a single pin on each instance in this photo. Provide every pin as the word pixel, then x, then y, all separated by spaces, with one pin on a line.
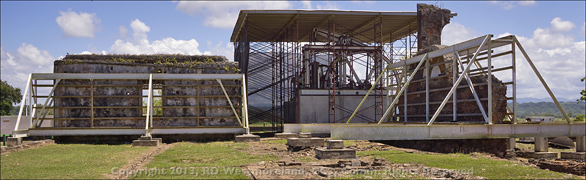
pixel 555 36
pixel 306 4
pixel 223 14
pixel 511 4
pixel 226 49
pixel 76 24
pixel 455 32
pixel 557 56
pixel 327 5
pixel 141 45
pixel 139 30
pixel 560 26
pixel 27 59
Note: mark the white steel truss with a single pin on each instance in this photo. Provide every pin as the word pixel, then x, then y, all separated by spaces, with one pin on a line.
pixel 30 98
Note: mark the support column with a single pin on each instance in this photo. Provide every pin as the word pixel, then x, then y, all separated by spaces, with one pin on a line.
pixel 580 150
pixel 13 141
pixel 510 152
pixel 541 150
pixel 541 144
pixel 511 143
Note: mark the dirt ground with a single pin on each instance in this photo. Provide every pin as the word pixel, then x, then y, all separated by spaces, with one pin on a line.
pixel 577 167
pixel 141 161
pixel 303 164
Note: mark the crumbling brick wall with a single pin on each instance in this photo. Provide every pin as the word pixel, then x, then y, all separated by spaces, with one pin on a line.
pixel 431 21
pixel 124 100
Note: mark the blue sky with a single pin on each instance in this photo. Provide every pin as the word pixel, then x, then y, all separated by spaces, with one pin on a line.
pixel 34 34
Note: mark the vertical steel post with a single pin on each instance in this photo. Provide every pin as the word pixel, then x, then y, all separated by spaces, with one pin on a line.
pixel 426 90
pixel 490 120
pixel 514 83
pixel 149 109
pixel 405 84
pixel 245 104
pixel 455 95
pixel 92 102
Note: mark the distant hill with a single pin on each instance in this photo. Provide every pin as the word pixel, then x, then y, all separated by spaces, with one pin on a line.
pixel 549 109
pixel 526 100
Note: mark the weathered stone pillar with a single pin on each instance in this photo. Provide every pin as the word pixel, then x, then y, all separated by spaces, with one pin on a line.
pixel 581 144
pixel 541 144
pixel 430 21
pixel 511 143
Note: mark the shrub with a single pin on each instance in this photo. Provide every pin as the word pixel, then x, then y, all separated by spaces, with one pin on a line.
pixel 580 118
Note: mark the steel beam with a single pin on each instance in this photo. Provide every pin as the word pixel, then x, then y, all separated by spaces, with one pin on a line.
pixel 113 131
pixel 118 76
pixel 448 131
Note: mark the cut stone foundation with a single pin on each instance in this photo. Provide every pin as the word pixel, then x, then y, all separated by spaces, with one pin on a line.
pixel 573 155
pixel 286 135
pixel 147 141
pixel 13 141
pixel 247 138
pixel 296 144
pixel 335 150
pixel 539 155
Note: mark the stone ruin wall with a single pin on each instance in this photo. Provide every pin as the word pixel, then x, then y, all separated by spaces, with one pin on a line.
pixel 431 21
pixel 126 114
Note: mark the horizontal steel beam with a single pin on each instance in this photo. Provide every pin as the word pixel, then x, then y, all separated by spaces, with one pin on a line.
pixel 130 76
pixel 348 48
pixel 76 132
pixel 460 48
pixel 460 131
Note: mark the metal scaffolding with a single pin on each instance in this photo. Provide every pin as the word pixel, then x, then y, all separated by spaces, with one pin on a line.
pixel 283 52
pixel 235 83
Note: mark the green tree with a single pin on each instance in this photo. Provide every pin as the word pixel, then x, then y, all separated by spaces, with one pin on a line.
pixel 583 93
pixel 9 96
pixel 580 118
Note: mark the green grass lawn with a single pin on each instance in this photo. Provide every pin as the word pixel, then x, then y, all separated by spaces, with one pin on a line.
pixel 481 166
pixel 67 161
pixel 214 160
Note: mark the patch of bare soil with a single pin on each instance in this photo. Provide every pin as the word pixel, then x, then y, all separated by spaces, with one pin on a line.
pixel 26 145
pixel 139 162
pixel 303 164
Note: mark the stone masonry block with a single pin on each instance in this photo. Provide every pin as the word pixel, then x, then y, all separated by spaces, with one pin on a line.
pixel 304 135
pixel 286 135
pixel 300 143
pixel 247 138
pixel 573 155
pixel 335 144
pixel 323 153
pixel 13 141
pixel 145 143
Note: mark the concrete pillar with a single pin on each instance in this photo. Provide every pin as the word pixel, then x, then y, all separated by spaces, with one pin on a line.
pixel 13 141
pixel 581 144
pixel 511 144
pixel 335 144
pixel 541 144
